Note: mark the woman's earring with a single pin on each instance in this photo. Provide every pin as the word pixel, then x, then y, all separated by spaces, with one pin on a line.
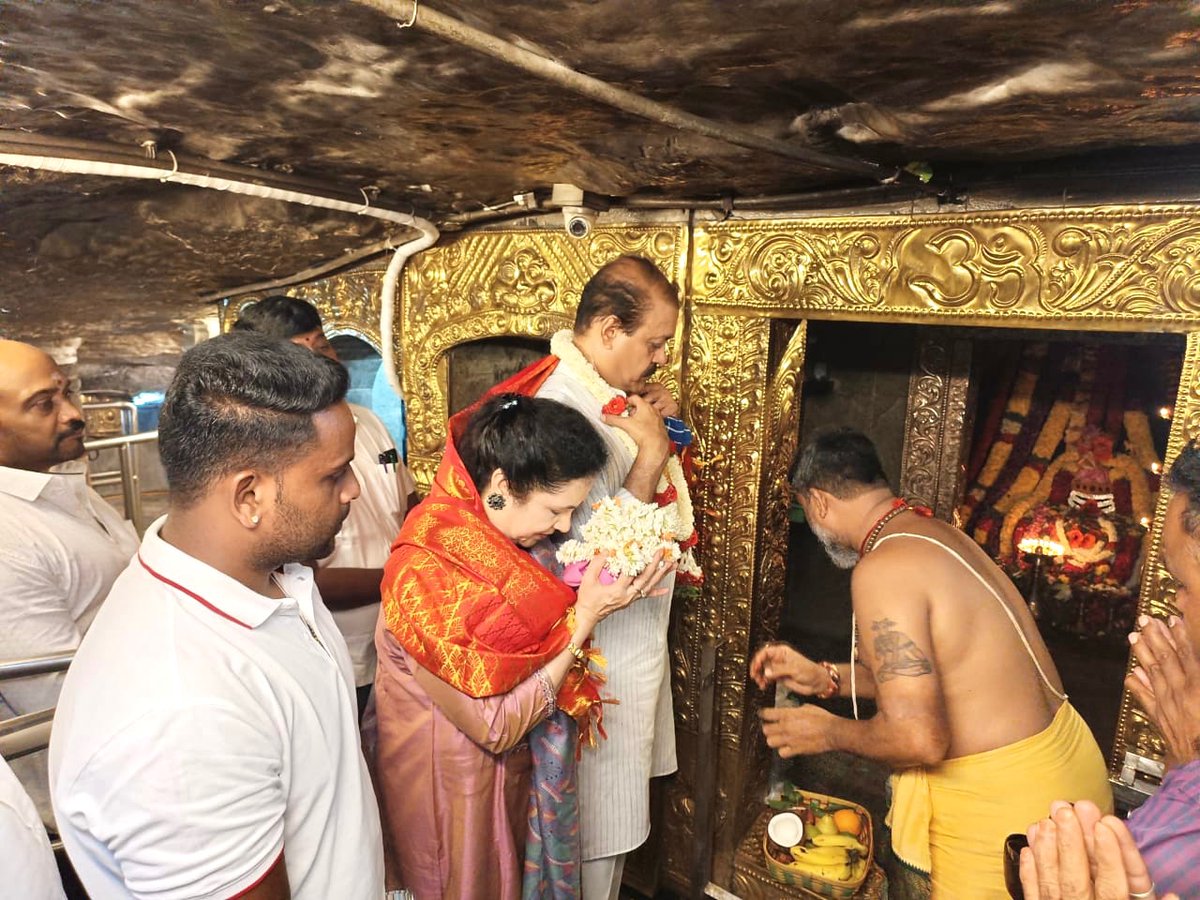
pixel 495 501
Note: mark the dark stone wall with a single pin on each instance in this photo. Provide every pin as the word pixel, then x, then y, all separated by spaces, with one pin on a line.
pixel 857 375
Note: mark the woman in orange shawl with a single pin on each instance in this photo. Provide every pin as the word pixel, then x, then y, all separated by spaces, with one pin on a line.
pixel 479 644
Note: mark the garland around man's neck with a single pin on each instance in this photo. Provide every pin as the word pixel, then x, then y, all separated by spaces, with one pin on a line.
pixel 672 486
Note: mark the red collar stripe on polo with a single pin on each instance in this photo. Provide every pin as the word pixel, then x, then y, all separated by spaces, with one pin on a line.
pixel 192 594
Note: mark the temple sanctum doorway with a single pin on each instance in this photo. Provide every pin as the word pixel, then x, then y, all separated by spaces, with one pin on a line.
pixel 1048 452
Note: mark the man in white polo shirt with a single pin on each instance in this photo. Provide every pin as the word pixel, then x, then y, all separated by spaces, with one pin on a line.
pixel 61 544
pixel 350 576
pixel 206 742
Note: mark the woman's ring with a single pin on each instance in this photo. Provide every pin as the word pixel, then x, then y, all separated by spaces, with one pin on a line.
pixel 1142 895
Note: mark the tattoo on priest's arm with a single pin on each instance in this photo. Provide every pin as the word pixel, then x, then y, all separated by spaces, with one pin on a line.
pixel 897 654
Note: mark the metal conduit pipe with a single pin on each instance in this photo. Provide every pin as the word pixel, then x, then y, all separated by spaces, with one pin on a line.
pixel 310 274
pixel 434 22
pixel 42 155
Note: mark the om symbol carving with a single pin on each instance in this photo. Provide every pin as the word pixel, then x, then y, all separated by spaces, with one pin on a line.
pixel 952 267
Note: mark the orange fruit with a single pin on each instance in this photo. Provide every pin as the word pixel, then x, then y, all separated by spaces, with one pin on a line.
pixel 847 821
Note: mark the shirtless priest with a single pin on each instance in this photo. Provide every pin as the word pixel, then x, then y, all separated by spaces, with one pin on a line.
pixel 970 709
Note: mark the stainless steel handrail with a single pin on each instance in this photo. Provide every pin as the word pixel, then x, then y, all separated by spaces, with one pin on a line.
pixel 20 723
pixel 26 734
pixel 140 437
pixel 35 665
pixel 130 488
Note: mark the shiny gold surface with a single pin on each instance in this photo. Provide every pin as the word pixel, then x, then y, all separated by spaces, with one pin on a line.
pixel 1134 731
pixel 1108 268
pixel 349 304
pixel 934 437
pixel 740 359
pixel 491 284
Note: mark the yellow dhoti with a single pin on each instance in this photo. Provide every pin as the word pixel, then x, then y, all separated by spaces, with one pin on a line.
pixel 951 820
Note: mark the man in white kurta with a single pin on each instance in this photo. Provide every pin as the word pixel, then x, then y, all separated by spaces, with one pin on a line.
pixel 627 315
pixel 61 544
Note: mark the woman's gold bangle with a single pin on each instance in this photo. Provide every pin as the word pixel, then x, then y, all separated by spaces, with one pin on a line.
pixel 576 652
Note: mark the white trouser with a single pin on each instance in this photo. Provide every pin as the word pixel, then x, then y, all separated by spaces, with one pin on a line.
pixel 601 878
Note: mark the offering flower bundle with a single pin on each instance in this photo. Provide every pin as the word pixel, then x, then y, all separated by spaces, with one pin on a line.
pixel 628 534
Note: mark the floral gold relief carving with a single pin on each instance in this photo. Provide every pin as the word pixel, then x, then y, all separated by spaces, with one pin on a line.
pixel 1107 268
pixel 934 431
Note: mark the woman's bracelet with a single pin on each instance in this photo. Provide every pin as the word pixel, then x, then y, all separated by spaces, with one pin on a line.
pixel 835 680
pixel 576 652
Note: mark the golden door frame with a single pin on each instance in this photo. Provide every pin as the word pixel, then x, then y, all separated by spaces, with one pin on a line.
pixel 748 289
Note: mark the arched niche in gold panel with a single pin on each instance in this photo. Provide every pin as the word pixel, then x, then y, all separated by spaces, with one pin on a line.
pixel 522 283
pixel 348 303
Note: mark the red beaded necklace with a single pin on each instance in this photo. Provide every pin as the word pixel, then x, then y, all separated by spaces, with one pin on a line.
pixel 898 506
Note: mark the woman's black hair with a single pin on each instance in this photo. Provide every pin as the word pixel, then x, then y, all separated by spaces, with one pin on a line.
pixel 538 444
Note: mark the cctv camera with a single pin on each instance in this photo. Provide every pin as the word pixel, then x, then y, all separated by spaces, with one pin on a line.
pixel 578 220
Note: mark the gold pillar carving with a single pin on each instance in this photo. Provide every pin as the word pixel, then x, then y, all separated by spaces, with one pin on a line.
pixel 493 283
pixel 726 380
pixel 935 424
pixel 1134 731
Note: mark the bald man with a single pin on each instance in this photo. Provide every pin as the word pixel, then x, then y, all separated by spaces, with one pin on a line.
pixel 61 544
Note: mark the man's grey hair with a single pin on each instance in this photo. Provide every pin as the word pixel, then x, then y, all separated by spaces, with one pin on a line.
pixel 840 461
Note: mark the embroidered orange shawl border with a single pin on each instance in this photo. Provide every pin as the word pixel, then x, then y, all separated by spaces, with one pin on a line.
pixel 469 605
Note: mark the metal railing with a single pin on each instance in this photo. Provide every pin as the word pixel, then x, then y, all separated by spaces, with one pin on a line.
pixel 131 491
pixel 29 733
pixel 128 417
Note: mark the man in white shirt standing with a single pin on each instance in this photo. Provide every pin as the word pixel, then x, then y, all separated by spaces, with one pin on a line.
pixel 206 742
pixel 61 544
pixel 349 578
pixel 627 314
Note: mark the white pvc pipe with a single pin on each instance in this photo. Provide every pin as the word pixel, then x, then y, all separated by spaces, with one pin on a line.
pixel 429 232
pixel 387 306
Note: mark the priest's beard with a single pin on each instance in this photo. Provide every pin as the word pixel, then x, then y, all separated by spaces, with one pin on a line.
pixel 842 556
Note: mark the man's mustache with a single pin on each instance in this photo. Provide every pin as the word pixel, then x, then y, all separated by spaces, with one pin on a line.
pixel 75 429
pixel 649 373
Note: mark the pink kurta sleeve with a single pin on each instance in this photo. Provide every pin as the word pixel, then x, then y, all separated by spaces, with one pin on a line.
pixel 495 723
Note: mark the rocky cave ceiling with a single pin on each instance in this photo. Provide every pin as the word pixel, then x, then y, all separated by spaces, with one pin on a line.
pixel 339 93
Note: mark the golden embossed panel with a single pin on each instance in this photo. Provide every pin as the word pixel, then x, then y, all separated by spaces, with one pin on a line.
pixel 1134 731
pixel 1110 268
pixel 349 304
pixel 934 438
pixel 488 284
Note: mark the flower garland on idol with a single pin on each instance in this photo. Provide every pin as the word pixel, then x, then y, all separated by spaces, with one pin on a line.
pixel 631 536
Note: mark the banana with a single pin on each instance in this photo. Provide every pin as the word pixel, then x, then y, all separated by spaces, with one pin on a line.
pixel 839 840
pixel 821 856
pixel 833 872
